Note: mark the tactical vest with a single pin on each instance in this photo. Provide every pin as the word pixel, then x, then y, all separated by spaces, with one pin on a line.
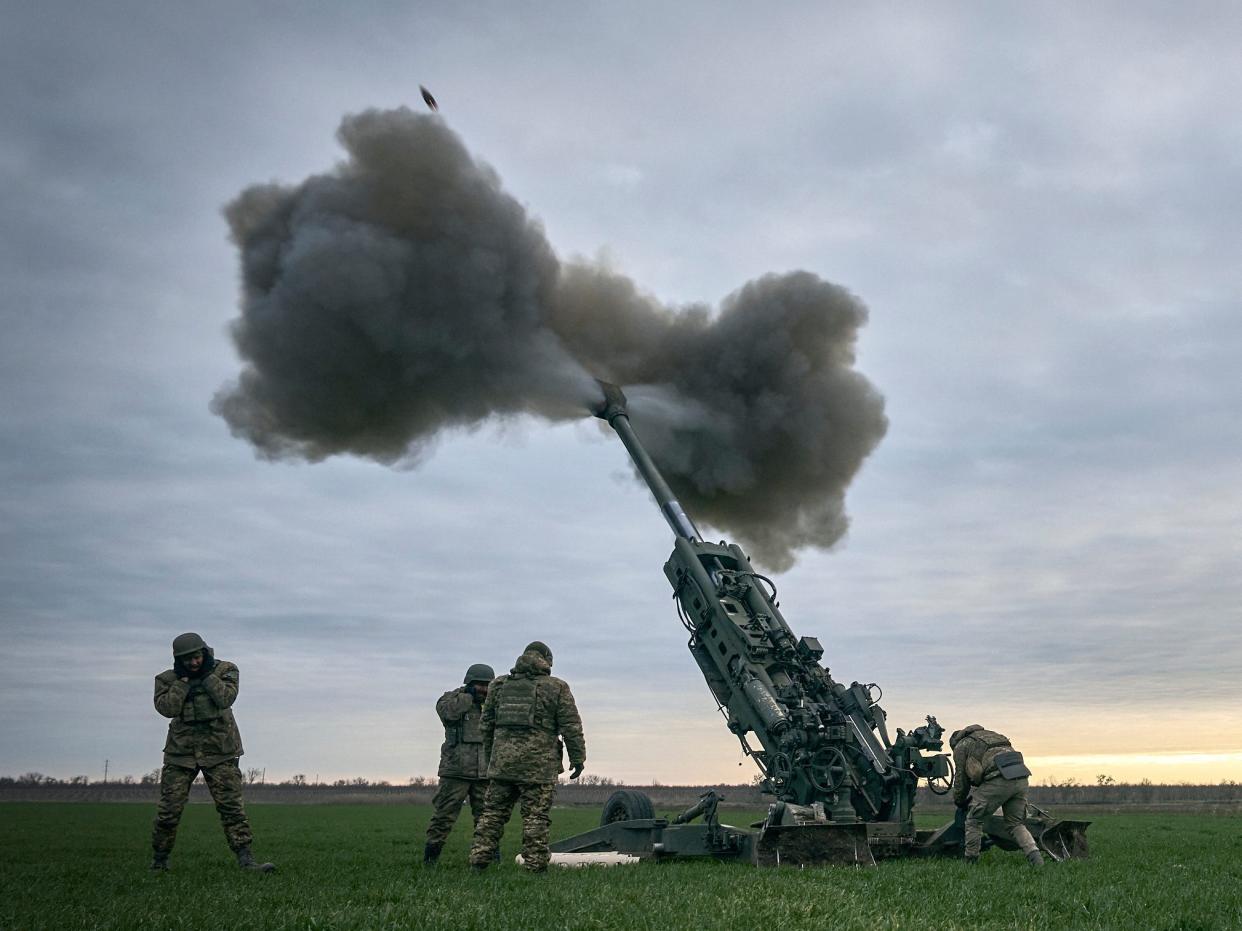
pixel 979 761
pixel 989 739
pixel 461 755
pixel 518 703
pixel 467 730
pixel 200 707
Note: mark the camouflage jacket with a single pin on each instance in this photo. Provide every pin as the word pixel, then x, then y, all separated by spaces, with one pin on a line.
pixel 202 731
pixel 973 758
pixel 461 754
pixel 524 718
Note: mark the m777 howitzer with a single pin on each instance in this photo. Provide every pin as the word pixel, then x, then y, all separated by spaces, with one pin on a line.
pixel 845 789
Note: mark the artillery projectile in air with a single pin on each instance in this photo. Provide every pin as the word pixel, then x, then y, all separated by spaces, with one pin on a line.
pixel 428 99
pixel 844 789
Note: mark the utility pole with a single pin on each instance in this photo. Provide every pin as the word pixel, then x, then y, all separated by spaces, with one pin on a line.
pixel 106 762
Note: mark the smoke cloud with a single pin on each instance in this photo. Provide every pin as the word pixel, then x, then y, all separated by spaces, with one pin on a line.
pixel 406 292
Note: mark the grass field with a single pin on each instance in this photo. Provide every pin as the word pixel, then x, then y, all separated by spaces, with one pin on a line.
pixel 355 866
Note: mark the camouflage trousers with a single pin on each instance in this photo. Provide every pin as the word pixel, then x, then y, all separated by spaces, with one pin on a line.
pixel 224 780
pixel 448 802
pixel 1009 795
pixel 536 801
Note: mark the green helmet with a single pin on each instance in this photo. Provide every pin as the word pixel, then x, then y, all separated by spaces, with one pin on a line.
pixel 538 646
pixel 956 737
pixel 187 644
pixel 479 672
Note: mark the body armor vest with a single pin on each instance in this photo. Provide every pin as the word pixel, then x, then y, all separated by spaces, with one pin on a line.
pixel 518 704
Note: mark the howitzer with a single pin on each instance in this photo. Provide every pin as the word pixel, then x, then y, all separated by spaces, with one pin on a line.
pixel 845 789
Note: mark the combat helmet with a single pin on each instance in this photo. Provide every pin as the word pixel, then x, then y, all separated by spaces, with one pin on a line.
pixel 188 643
pixel 479 672
pixel 538 646
pixel 956 737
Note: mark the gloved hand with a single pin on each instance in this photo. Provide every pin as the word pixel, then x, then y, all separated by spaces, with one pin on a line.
pixel 964 803
pixel 577 770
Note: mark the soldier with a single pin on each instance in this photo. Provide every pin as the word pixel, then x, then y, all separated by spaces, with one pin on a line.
pixel 197 693
pixel 463 769
pixel 990 774
pixel 525 717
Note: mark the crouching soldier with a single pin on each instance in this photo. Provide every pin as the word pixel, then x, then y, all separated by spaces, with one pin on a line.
pixel 198 693
pixel 525 717
pixel 991 774
pixel 463 769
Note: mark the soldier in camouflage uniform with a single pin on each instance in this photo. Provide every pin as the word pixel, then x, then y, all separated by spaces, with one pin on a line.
pixel 463 769
pixel 525 718
pixel 989 775
pixel 197 693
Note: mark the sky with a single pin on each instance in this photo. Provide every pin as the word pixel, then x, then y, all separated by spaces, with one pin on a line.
pixel 1037 204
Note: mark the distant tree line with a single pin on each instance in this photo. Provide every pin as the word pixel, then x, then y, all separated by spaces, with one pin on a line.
pixel 592 788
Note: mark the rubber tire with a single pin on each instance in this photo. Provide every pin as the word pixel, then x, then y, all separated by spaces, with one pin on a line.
pixel 626 805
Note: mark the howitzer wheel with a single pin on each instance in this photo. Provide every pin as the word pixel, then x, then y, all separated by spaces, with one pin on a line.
pixel 626 805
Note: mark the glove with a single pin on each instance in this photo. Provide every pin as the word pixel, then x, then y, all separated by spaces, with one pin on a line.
pixel 964 803
pixel 577 770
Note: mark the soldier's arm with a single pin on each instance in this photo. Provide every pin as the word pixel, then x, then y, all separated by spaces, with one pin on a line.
pixel 487 723
pixel 961 785
pixel 170 695
pixel 569 723
pixel 452 706
pixel 222 685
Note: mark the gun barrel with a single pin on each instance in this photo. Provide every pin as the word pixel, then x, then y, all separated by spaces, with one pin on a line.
pixel 614 411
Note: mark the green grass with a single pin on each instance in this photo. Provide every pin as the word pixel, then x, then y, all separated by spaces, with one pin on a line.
pixel 356 866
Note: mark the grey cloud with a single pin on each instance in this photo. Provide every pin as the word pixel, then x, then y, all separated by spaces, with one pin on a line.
pixel 407 293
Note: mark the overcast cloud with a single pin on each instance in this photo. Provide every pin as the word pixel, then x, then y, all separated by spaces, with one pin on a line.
pixel 1037 204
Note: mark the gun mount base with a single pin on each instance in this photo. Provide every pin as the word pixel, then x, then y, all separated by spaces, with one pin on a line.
pixel 795 835
pixel 802 845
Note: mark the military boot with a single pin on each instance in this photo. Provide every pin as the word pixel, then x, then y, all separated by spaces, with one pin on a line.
pixel 1035 858
pixel 246 860
pixel 431 853
pixel 159 861
pixel 970 861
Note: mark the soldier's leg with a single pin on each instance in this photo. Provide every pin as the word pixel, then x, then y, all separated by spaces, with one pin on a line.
pixel 536 822
pixel 447 805
pixel 174 791
pixel 983 802
pixel 224 781
pixel 478 792
pixel 1014 810
pixel 497 806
